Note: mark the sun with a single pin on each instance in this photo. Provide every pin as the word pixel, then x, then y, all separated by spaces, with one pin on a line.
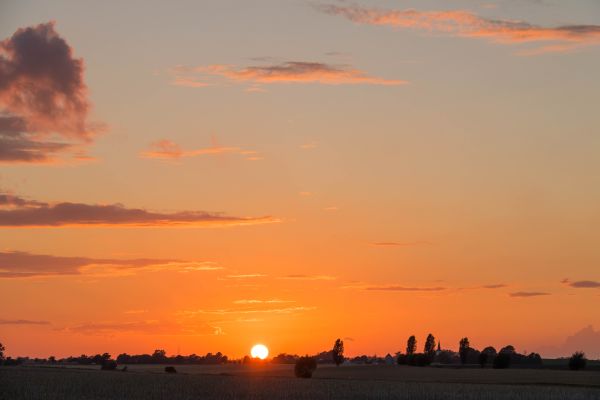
pixel 259 351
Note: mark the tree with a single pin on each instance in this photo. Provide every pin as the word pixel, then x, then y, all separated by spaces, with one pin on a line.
pixel 411 345
pixel 2 349
pixel 487 354
pixel 429 345
pixel 338 352
pixel 502 360
pixel 463 349
pixel 483 356
pixel 577 361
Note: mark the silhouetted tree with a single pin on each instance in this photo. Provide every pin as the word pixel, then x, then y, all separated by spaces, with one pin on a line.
pixel 338 352
pixel 2 349
pixel 502 360
pixel 305 366
pixel 429 345
pixel 510 349
pixel 577 361
pixel 486 355
pixel 463 349
pixel 483 357
pixel 411 345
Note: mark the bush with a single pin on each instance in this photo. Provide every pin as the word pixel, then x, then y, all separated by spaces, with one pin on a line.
pixel 419 359
pixel 402 359
pixel 170 370
pixel 577 361
pixel 305 366
pixel 502 361
pixel 108 365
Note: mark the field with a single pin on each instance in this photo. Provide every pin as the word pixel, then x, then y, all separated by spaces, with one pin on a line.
pixel 277 382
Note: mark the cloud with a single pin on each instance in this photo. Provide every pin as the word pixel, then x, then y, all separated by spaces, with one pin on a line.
pixel 245 276
pixel 582 284
pixel 22 322
pixel 40 214
pixel 528 294
pixel 18 264
pixel 396 288
pixel 167 150
pixel 255 301
pixel 303 277
pixel 149 327
pixel 494 286
pixel 398 244
pixel 467 24
pixel 299 72
pixel 43 99
pixel 586 339
pixel 247 310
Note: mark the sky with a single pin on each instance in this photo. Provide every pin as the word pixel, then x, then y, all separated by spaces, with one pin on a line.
pixel 203 176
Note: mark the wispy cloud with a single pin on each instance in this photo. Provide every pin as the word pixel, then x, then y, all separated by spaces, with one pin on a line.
pixel 257 301
pixel 248 310
pixel 22 322
pixel 291 72
pixel 467 24
pixel 245 276
pixel 149 327
pixel 581 284
pixel 398 244
pixel 167 150
pixel 18 264
pixel 528 294
pixel 303 277
pixel 43 105
pixel 397 288
pixel 494 286
pixel 39 214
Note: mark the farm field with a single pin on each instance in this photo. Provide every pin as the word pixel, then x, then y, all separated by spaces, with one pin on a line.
pixel 276 382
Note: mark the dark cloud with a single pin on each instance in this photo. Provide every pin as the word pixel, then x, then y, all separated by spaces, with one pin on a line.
pixel 494 286
pixel 528 294
pixel 582 284
pixel 43 99
pixel 18 264
pixel 40 214
pixel 22 322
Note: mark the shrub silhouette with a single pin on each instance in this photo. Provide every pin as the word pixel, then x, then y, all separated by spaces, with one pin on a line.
pixel 305 366
pixel 170 370
pixel 108 365
pixel 577 361
pixel 502 360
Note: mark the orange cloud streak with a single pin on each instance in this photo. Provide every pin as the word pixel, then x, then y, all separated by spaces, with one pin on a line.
pixel 468 24
pixel 288 72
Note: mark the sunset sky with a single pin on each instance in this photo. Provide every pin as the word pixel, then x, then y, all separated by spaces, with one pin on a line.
pixel 201 176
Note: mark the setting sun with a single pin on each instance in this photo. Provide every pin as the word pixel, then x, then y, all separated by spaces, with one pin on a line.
pixel 259 351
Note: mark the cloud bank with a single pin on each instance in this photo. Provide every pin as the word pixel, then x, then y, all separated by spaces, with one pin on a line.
pixel 43 98
pixel 19 264
pixel 18 212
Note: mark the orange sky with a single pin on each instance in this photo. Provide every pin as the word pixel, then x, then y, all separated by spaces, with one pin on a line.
pixel 204 177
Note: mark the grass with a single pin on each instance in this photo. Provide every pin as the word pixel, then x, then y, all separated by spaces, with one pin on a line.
pixel 240 382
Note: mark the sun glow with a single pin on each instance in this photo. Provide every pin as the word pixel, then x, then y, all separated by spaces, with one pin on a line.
pixel 259 351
